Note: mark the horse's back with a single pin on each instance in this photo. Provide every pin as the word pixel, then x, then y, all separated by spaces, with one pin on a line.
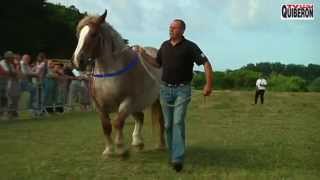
pixel 154 72
pixel 151 51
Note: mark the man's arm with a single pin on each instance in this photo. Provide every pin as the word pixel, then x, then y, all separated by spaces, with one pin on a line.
pixel 26 71
pixel 207 89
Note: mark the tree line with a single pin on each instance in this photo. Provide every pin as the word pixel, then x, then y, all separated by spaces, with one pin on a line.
pixel 280 77
pixel 32 26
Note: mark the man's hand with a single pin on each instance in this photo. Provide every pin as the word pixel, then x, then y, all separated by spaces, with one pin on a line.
pixel 138 49
pixel 207 89
pixel 151 60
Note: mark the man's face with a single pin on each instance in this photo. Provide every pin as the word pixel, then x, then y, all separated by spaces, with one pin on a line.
pixel 50 64
pixel 57 67
pixel 26 59
pixel 175 30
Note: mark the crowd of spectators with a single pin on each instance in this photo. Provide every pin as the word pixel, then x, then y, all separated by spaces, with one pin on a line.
pixel 52 86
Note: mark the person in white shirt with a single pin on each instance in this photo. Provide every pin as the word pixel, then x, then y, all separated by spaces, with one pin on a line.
pixel 79 91
pixel 6 74
pixel 261 85
pixel 14 89
pixel 27 84
pixel 41 69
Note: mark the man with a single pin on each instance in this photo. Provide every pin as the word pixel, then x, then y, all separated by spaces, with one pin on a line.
pixel 261 85
pixel 50 87
pixel 41 69
pixel 14 89
pixel 6 74
pixel 177 56
pixel 78 90
pixel 26 82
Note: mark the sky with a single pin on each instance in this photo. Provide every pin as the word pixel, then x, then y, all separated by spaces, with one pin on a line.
pixel 232 33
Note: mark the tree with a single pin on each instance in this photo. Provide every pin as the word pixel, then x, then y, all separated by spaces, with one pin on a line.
pixel 30 26
pixel 315 85
pixel 278 82
pixel 199 80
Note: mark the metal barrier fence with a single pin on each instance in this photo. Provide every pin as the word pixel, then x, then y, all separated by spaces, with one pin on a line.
pixel 30 114
pixel 11 108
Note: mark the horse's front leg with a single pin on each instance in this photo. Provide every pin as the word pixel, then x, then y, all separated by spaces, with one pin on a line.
pixel 107 129
pixel 118 125
pixel 137 139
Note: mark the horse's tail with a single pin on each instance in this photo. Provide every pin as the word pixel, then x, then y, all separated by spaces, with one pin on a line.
pixel 158 122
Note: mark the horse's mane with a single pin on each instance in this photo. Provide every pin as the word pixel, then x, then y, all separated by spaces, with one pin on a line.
pixel 116 37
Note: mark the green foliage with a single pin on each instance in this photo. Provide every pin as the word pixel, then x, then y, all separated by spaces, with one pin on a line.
pixel 239 79
pixel 308 73
pixel 30 26
pixel 218 79
pixel 242 79
pixel 315 85
pixel 280 82
pixel 199 80
pixel 282 77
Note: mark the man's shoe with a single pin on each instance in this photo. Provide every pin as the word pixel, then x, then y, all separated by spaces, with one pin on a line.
pixel 177 166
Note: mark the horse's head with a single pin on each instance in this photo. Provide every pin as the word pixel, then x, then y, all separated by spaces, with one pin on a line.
pixel 90 40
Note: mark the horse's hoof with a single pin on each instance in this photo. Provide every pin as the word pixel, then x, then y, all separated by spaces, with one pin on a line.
pixel 107 153
pixel 122 151
pixel 139 147
pixel 124 154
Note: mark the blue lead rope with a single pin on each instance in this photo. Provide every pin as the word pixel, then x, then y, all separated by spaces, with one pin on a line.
pixel 132 64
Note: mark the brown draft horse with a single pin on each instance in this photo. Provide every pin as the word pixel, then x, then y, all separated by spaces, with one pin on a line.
pixel 123 82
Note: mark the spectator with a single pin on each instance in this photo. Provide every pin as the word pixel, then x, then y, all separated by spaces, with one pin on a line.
pixel 77 91
pixel 40 69
pixel 62 82
pixel 14 89
pixel 50 88
pixel 27 84
pixel 6 74
pixel 261 85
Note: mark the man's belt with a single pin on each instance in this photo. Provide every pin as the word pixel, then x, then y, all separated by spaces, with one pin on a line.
pixel 175 84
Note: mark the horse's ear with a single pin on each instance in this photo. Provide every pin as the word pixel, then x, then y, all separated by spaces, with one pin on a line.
pixel 102 17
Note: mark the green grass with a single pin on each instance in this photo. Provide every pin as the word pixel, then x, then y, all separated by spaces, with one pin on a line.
pixel 227 138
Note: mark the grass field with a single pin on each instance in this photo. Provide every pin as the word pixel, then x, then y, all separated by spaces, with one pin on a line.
pixel 227 138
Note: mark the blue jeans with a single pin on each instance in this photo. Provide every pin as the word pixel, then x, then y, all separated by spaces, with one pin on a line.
pixel 174 102
pixel 31 89
pixel 49 92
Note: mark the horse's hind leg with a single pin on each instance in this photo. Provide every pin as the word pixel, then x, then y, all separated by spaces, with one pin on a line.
pixel 119 124
pixel 137 139
pixel 107 129
pixel 158 120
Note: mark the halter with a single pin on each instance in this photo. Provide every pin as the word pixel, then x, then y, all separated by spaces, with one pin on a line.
pixel 126 69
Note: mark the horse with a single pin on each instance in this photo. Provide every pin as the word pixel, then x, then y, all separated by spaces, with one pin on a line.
pixel 122 82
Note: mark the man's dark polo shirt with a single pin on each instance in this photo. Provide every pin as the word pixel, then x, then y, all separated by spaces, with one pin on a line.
pixel 177 61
